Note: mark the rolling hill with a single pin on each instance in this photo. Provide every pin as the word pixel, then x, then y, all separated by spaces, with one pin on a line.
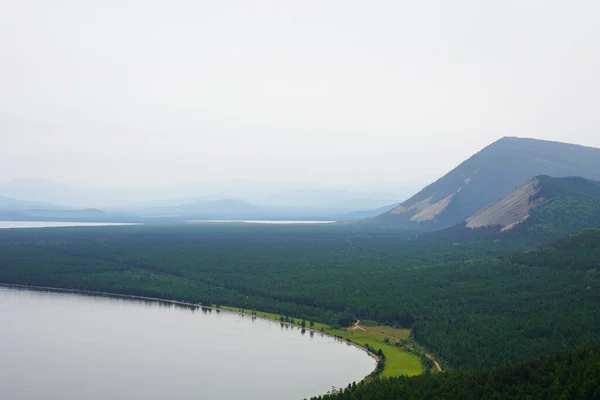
pixel 490 175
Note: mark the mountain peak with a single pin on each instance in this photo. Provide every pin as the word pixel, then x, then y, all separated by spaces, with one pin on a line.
pixel 489 175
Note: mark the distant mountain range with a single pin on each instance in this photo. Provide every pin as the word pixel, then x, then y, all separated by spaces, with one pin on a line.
pixel 202 208
pixel 491 175
pixel 7 203
pixel 204 200
pixel 86 215
pixel 349 198
pixel 505 185
pixel 228 209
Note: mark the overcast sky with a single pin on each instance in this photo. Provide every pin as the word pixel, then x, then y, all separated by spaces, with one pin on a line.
pixel 154 93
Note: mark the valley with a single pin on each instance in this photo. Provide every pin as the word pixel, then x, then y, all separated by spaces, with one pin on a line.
pixel 515 280
pixel 299 200
pixel 465 308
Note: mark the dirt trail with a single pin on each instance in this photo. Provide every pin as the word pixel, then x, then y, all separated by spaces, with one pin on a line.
pixel 428 355
pixel 437 365
pixel 357 327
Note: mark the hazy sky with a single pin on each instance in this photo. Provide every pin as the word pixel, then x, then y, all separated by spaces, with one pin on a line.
pixel 153 93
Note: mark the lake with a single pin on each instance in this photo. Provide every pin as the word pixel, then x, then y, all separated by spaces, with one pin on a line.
pixel 46 224
pixel 68 346
pixel 258 221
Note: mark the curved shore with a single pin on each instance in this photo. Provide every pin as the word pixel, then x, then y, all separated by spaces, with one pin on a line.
pixel 183 303
pixel 104 294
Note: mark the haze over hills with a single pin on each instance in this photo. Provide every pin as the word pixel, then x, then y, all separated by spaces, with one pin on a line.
pixel 66 215
pixel 489 175
pixel 141 142
pixel 468 192
pixel 229 209
pixel 206 200
pixel 278 194
pixel 7 203
pixel 310 203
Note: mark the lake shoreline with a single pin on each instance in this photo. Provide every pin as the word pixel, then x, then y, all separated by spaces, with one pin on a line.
pixel 102 294
pixel 187 304
pixel 264 318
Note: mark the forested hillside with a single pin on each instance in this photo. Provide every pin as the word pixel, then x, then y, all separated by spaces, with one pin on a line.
pixel 464 303
pixel 569 205
pixel 542 210
pixel 573 374
pixel 580 251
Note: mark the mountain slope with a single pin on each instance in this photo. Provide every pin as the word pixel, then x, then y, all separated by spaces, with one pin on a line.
pixel 489 175
pixel 510 210
pixel 579 251
pixel 544 207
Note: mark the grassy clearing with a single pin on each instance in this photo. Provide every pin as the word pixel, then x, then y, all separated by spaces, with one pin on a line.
pixel 398 361
pixel 388 331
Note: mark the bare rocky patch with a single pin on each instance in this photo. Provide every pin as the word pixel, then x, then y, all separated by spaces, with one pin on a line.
pixel 509 211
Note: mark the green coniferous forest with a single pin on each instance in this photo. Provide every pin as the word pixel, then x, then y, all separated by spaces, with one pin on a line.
pixel 208 199
pixel 473 299
pixel 572 374
pixel 474 304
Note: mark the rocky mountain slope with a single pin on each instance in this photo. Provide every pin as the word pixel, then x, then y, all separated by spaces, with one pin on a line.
pixel 490 175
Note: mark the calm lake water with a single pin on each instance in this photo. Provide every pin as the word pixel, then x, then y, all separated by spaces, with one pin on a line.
pixel 42 224
pixel 69 346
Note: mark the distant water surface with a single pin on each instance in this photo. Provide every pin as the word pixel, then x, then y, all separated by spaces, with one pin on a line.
pixel 68 346
pixel 258 221
pixel 47 224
